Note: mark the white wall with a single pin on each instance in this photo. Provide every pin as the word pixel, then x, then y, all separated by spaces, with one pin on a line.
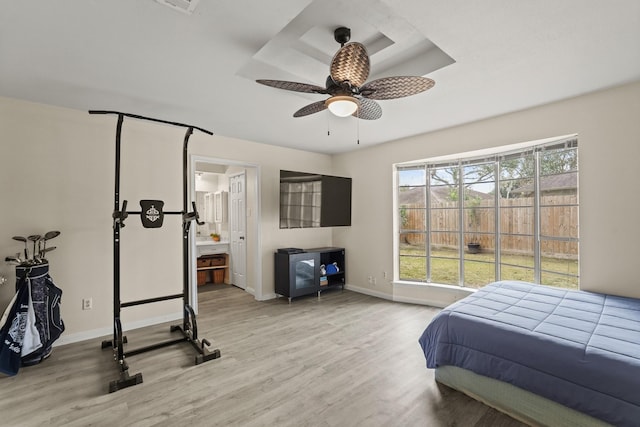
pixel 207 182
pixel 608 128
pixel 57 173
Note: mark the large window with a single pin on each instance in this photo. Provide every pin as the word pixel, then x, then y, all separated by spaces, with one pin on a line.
pixel 510 216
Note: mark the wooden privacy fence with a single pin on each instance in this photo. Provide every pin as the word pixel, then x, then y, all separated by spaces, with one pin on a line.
pixel 558 218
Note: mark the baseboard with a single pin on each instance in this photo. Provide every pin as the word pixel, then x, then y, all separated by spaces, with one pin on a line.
pixel 108 331
pixel 368 291
pixel 266 297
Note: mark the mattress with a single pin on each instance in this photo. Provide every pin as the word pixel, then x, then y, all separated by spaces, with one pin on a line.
pixel 576 348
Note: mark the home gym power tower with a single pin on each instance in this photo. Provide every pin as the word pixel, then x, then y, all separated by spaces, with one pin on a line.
pixel 152 215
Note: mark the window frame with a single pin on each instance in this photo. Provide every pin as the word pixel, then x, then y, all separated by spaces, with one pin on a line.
pixel 496 158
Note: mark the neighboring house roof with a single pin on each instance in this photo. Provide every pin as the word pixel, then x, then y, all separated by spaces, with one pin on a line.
pixel 415 195
pixel 552 183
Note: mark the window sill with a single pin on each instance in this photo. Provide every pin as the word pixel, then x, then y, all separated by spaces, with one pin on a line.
pixel 432 294
pixel 433 285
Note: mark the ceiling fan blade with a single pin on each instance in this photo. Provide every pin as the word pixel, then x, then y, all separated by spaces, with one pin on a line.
pixel 294 86
pixel 351 63
pixel 316 107
pixel 369 110
pixel 395 87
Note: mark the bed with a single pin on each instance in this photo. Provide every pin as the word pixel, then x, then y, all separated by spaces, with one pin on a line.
pixel 552 348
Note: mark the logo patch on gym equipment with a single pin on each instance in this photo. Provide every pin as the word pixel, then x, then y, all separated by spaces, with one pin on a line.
pixel 152 215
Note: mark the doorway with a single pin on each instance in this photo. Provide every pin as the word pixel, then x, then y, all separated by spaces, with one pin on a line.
pixel 235 221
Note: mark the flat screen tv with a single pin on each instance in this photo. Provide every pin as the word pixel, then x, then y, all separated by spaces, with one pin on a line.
pixel 313 200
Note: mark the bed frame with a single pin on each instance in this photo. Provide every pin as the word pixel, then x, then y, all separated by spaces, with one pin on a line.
pixel 513 401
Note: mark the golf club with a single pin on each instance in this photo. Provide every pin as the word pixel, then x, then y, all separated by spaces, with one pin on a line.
pixel 13 259
pixel 22 239
pixel 48 236
pixel 44 252
pixel 34 238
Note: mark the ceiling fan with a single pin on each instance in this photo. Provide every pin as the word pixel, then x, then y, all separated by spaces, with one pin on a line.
pixel 349 94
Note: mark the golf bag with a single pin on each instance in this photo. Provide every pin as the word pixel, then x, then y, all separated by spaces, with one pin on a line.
pixel 32 322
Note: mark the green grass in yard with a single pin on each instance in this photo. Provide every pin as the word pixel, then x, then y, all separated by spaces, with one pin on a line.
pixel 479 269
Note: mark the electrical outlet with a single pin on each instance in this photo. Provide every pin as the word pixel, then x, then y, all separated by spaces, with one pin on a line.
pixel 374 280
pixel 370 279
pixel 87 303
pixel 384 274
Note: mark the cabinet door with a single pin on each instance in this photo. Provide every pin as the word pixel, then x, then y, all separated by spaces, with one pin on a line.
pixel 304 273
pixel 208 207
pixel 297 274
pixel 221 201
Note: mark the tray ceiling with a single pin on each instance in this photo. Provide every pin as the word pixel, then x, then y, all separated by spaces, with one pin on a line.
pixel 487 58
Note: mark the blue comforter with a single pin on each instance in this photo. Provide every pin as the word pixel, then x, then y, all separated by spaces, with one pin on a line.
pixel 577 348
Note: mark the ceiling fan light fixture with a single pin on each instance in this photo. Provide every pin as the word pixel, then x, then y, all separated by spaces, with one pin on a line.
pixel 350 93
pixel 342 106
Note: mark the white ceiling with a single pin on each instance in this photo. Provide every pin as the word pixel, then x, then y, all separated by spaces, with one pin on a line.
pixel 144 58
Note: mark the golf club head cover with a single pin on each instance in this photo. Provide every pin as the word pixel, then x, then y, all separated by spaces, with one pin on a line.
pixel 151 214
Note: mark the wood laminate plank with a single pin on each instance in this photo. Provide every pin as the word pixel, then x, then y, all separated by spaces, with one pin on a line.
pixel 345 359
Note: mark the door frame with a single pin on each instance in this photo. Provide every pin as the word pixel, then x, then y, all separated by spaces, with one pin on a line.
pixel 253 226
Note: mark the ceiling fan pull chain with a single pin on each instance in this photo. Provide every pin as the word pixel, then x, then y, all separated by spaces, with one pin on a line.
pixel 328 126
pixel 358 125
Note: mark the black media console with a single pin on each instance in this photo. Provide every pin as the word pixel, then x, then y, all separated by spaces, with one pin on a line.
pixel 306 271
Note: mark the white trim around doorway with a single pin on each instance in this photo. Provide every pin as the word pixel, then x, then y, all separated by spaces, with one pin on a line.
pixel 253 225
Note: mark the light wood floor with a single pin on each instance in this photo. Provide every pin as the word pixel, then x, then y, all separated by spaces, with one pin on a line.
pixel 344 360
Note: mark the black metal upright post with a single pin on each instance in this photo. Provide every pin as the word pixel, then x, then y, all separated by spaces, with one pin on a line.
pixel 185 230
pixel 117 329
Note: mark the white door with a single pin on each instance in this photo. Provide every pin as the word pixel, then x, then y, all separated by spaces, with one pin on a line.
pixel 238 227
